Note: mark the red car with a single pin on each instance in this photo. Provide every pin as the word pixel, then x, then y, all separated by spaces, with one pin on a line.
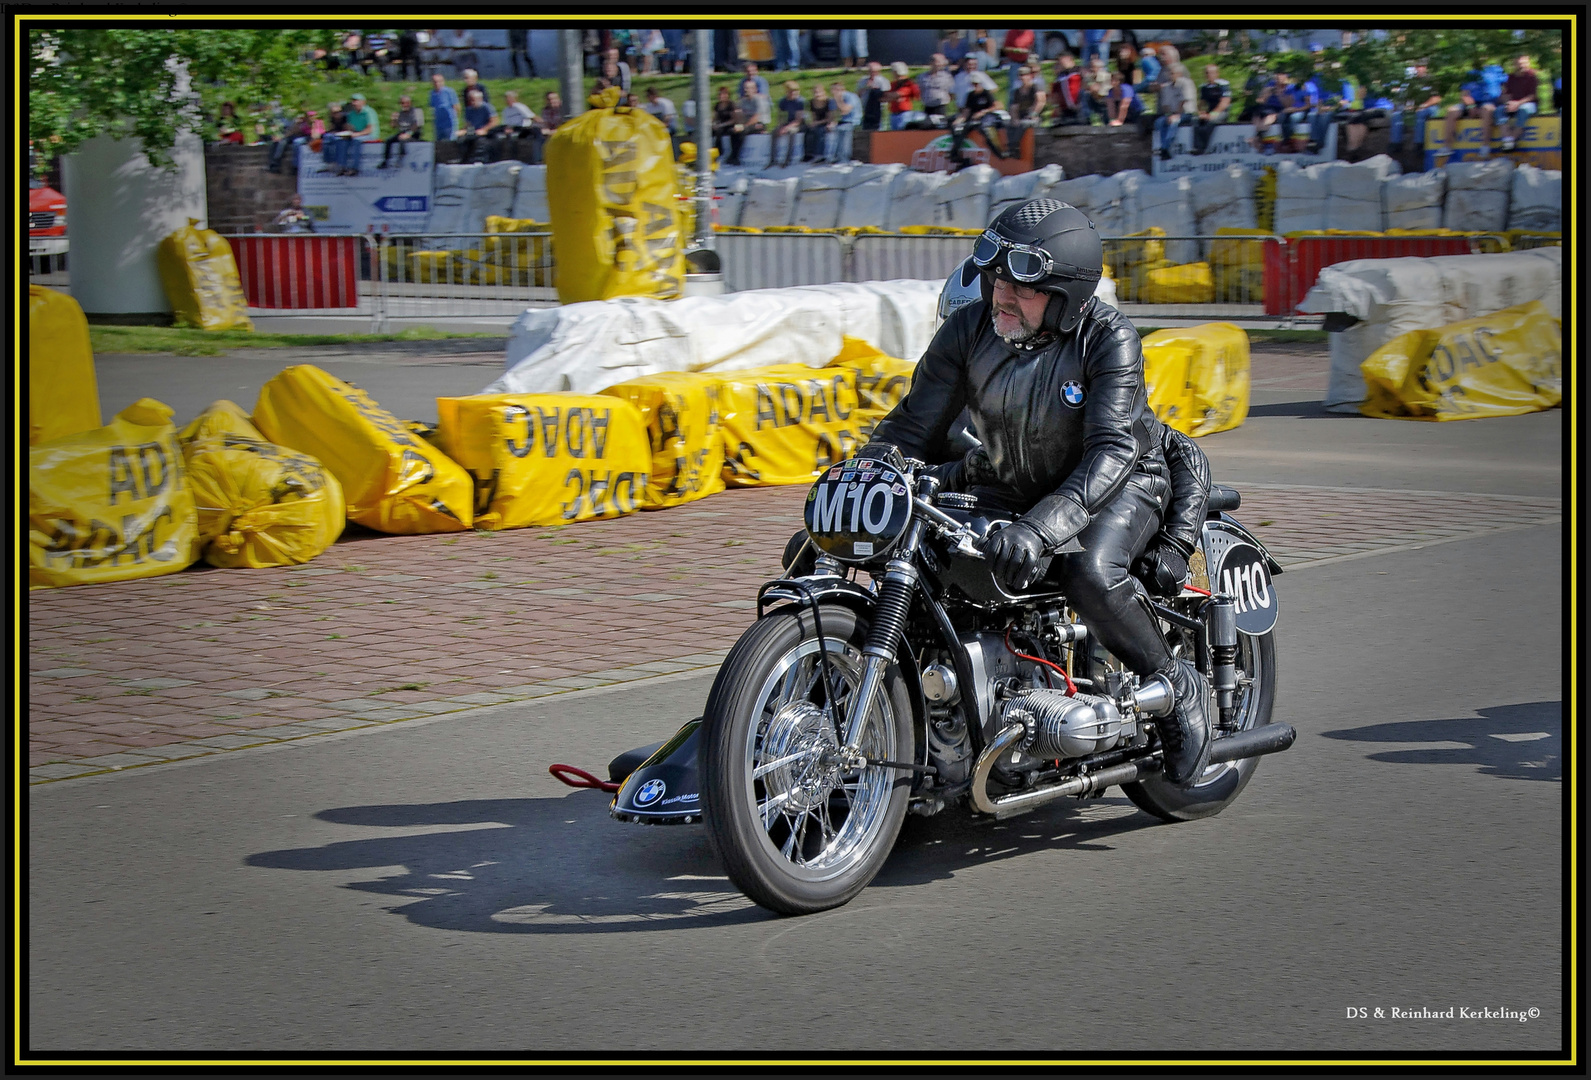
pixel 46 219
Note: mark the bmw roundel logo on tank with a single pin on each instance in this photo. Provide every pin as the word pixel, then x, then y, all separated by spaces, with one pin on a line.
pixel 1245 577
pixel 1072 391
pixel 650 792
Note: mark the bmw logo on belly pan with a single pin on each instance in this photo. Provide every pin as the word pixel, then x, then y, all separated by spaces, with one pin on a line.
pixel 650 792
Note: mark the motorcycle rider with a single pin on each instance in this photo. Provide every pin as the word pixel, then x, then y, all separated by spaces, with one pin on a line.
pixel 1054 384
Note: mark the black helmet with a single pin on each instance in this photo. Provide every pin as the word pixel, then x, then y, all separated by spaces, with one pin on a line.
pixel 1044 244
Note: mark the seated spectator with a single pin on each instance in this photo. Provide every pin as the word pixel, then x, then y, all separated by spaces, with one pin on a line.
pixel 937 86
pixel 1177 99
pixel 756 106
pixel 364 127
pixel 337 139
pixel 753 74
pixel 905 99
pixel 297 133
pixel 664 109
pixel 978 113
pixel 1029 100
pixel 1254 89
pixel 1519 101
pixel 1127 64
pixel 822 115
pixel 728 123
pixel 1096 84
pixel 791 130
pixel 968 77
pixel 1122 103
pixel 1017 52
pixel 871 88
pixel 1068 93
pixel 848 115
pixel 953 47
pixel 294 218
pixel 472 81
pixel 407 125
pixel 1215 102
pixel 551 114
pixel 1473 105
pixel 480 123
pixel 1149 69
pixel 1417 95
pixel 227 128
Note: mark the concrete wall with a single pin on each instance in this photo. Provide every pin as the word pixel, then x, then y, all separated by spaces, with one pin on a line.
pixel 120 208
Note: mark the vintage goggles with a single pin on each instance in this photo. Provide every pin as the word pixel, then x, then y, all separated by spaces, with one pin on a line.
pixel 1023 262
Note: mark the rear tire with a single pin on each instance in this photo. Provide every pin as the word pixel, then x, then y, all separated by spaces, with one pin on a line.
pixel 794 833
pixel 1222 783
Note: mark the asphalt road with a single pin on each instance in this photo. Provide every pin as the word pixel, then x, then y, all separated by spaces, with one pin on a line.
pixel 428 888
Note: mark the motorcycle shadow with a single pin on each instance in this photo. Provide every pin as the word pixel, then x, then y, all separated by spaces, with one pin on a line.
pixel 1517 742
pixel 562 866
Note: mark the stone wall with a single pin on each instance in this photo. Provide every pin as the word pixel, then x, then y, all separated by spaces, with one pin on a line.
pixel 1084 150
pixel 241 195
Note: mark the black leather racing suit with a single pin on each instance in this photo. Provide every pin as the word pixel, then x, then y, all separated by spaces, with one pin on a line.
pixel 1069 442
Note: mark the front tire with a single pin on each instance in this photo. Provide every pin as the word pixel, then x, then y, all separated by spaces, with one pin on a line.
pixel 796 833
pixel 1220 784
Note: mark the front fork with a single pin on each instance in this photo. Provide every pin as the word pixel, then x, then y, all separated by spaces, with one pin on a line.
pixel 894 602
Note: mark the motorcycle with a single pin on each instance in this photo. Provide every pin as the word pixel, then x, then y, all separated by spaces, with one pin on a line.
pixel 850 703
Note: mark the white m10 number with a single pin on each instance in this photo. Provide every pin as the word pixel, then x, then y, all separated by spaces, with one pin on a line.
pixel 871 508
pixel 1249 584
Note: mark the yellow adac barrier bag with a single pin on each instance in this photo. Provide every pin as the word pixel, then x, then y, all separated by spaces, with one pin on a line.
pixel 258 504
pixel 393 482
pixel 1239 284
pixel 112 503
pixel 1132 287
pixel 1215 357
pixel 681 413
pixel 1166 380
pixel 200 277
pixel 615 218
pixel 1502 364
pixel 881 380
pixel 63 395
pixel 743 230
pixel 1187 283
pixel 1134 250
pixel 1248 254
pixel 786 423
pixel 547 459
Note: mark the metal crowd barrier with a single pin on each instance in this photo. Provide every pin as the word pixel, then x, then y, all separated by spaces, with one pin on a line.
pixel 780 260
pixel 304 273
pixel 887 258
pixel 462 274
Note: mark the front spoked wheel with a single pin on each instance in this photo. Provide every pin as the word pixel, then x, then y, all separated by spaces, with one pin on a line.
pixel 798 829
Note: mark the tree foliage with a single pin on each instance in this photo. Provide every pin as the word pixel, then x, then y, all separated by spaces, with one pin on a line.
pixel 125 83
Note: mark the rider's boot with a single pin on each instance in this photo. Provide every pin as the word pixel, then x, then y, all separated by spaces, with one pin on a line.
pixel 1185 732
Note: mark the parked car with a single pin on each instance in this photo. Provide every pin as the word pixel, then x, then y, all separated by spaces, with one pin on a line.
pixel 46 219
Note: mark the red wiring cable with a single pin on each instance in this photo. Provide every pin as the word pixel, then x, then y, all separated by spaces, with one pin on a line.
pixel 583 778
pixel 1195 588
pixel 1071 687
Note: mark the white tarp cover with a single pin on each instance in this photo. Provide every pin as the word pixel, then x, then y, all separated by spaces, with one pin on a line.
pixel 1224 199
pixel 1414 200
pixel 530 195
pixel 1494 174
pixel 962 201
pixel 1007 191
pixel 1301 196
pixel 867 200
pixel 589 346
pixel 1098 197
pixel 769 202
pixel 822 190
pixel 1470 210
pixel 464 195
pixel 1163 204
pixel 1353 194
pixel 1394 296
pixel 913 198
pixel 1536 201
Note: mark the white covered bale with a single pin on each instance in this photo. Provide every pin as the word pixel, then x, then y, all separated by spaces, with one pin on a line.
pixel 530 195
pixel 1536 199
pixel 1353 194
pixel 913 199
pixel 1493 174
pixel 1162 204
pixel 1301 196
pixel 962 201
pixel 769 202
pixel 1098 197
pixel 867 199
pixel 1414 201
pixel 1223 200
pixel 729 190
pixel 821 192
pixel 1008 191
pixel 1478 194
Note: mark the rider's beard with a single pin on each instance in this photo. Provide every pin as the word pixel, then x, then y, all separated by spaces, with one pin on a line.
pixel 1009 324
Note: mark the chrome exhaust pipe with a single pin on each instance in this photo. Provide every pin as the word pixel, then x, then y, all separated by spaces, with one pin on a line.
pixel 1270 739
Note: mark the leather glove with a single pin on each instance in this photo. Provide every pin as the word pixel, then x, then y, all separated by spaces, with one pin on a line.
pixel 1163 567
pixel 951 474
pixel 1017 554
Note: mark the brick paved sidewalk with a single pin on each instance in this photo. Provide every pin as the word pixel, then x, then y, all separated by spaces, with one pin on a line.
pixel 381 629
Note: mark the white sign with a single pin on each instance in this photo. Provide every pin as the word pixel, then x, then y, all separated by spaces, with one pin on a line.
pixel 1233 144
pixel 395 199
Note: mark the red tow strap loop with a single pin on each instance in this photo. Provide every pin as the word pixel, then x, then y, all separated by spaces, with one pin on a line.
pixel 581 778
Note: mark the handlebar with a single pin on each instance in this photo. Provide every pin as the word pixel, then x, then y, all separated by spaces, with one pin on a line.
pixel 966 540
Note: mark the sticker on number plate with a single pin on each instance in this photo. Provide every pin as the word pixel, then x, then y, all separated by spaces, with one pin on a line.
pixel 858 515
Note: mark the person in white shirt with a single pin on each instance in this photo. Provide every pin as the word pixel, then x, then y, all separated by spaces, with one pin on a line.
pixel 968 77
pixel 517 116
pixel 662 108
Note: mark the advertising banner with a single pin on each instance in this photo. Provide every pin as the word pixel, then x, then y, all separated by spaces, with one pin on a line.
pixel 1233 144
pixel 395 199
pixel 1540 142
pixel 928 150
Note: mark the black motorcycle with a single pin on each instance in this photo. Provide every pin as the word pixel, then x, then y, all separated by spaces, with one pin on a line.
pixel 851 702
